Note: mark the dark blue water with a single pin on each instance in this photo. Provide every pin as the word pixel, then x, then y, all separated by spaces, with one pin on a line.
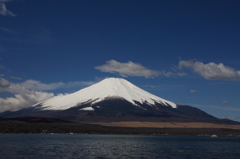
pixel 64 146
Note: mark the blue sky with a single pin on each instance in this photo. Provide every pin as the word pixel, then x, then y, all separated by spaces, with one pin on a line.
pixel 183 51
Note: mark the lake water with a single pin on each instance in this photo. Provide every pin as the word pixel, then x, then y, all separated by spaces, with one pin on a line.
pixel 66 146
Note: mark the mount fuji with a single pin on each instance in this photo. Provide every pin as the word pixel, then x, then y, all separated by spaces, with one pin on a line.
pixel 113 99
pixel 110 88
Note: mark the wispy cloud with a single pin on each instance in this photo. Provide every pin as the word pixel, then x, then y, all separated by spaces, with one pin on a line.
pixel 38 34
pixel 193 91
pixel 17 78
pixel 132 69
pixel 211 71
pixel 218 107
pixel 7 30
pixel 5 68
pixel 39 86
pixel 225 102
pixel 127 69
pixel 3 9
pixel 237 118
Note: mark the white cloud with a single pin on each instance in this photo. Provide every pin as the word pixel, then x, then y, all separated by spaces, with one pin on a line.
pixel 22 96
pixel 193 91
pixel 17 78
pixel 127 69
pixel 225 102
pixel 211 71
pixel 4 83
pixel 3 9
pixel 30 92
pixel 39 86
pixel 134 69
pixel 23 100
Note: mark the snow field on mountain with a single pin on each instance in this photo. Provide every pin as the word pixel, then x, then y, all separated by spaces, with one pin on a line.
pixel 107 88
pixel 87 109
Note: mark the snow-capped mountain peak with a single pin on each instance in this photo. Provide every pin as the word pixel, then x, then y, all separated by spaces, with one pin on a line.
pixel 107 88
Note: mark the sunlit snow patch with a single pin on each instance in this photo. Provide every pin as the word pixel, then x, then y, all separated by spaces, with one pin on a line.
pixel 87 109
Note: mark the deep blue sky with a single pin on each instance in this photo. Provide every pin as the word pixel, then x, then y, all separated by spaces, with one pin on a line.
pixel 184 51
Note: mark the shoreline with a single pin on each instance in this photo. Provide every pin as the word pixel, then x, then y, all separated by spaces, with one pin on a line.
pixel 16 127
pixel 138 124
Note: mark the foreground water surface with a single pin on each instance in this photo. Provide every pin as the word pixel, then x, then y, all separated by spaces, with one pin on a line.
pixel 66 146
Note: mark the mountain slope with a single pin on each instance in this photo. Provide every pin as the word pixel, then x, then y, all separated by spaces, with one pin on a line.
pixel 108 88
pixel 114 99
